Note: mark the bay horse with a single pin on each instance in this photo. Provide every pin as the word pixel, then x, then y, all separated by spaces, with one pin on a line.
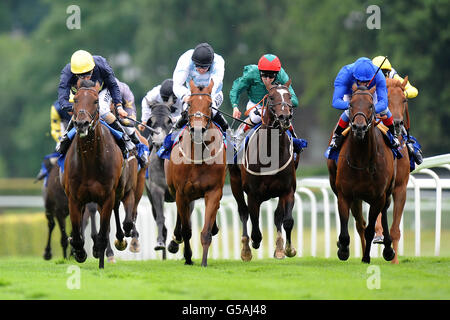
pixel 92 170
pixel 365 171
pixel 261 184
pixel 155 183
pixel 56 207
pixel 398 105
pixel 133 176
pixel 197 169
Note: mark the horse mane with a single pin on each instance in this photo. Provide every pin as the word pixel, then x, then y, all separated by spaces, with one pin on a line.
pixel 87 83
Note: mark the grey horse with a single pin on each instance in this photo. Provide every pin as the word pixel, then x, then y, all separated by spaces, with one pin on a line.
pixel 155 183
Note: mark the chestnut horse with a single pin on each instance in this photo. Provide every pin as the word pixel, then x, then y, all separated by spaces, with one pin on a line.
pixel 93 169
pixel 196 169
pixel 398 105
pixel 261 184
pixel 365 171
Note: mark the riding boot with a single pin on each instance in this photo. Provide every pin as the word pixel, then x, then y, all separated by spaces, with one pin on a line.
pixel 47 165
pixel 416 154
pixel 395 143
pixel 182 121
pixel 337 139
pixel 221 121
pixel 142 158
pixel 65 142
pixel 125 143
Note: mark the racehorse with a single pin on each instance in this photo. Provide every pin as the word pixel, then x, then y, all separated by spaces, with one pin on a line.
pixel 196 169
pixel 261 184
pixel 398 105
pixel 56 207
pixel 134 181
pixel 93 169
pixel 365 171
pixel 156 184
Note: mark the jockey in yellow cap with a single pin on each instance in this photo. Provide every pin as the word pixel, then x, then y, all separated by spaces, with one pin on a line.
pixel 389 72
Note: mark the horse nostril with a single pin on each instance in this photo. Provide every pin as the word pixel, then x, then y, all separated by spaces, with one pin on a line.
pixel 354 127
pixel 364 128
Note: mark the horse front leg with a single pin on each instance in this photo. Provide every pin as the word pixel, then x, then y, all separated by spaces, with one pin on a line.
pixel 76 240
pixel 51 225
pixel 183 207
pixel 399 196
pixel 288 224
pixel 344 238
pixel 103 234
pixel 369 233
pixel 356 208
pixel 212 204
pixel 62 227
pixel 120 243
pixel 128 223
pixel 278 220
pixel 388 252
pixel 157 201
pixel 254 206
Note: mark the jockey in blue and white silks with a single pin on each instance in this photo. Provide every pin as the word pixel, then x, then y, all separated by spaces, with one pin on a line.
pixel 360 72
pixel 201 65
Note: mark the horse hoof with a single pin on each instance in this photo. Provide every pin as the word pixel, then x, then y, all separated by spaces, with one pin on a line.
pixel 189 263
pixel 388 254
pixel 160 246
pixel 291 252
pixel 343 254
pixel 256 245
pixel 111 259
pixel 246 256
pixel 135 245
pixel 80 256
pixel 279 255
pixel 173 247
pixel 47 255
pixel 120 245
pixel 365 260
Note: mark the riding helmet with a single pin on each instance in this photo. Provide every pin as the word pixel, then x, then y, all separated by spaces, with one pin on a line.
pixel 203 55
pixel 81 62
pixel 269 62
pixel 363 69
pixel 378 61
pixel 166 89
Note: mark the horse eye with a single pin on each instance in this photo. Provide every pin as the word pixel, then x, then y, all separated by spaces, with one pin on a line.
pixel 96 101
pixel 75 100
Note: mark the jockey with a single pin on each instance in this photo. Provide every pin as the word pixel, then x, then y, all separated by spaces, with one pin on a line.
pixel 160 94
pixel 95 68
pixel 253 81
pixel 59 119
pixel 410 92
pixel 360 72
pixel 200 64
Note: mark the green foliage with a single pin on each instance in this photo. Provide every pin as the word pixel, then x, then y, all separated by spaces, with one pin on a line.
pixel 143 40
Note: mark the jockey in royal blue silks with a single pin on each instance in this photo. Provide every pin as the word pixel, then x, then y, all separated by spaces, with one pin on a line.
pixel 95 68
pixel 360 72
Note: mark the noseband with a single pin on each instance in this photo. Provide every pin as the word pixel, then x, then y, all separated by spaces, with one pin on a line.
pixel 199 114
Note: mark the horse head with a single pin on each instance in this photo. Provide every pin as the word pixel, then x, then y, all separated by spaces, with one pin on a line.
pixel 362 110
pixel 279 106
pixel 398 104
pixel 199 111
pixel 161 121
pixel 85 107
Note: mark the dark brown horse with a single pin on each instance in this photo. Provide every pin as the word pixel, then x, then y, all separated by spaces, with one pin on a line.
pixel 261 183
pixel 365 171
pixel 196 169
pixel 93 169
pixel 398 105
pixel 56 207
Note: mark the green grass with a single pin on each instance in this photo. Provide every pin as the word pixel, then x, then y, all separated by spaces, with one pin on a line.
pixel 288 279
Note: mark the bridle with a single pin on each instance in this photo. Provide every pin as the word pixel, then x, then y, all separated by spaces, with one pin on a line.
pixel 369 121
pixel 93 116
pixel 199 114
pixel 276 123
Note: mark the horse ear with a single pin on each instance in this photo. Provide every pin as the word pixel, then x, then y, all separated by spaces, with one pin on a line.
pixel 79 83
pixel 170 101
pixel 288 83
pixel 211 85
pixel 372 90
pixel 405 82
pixel 97 86
pixel 354 87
